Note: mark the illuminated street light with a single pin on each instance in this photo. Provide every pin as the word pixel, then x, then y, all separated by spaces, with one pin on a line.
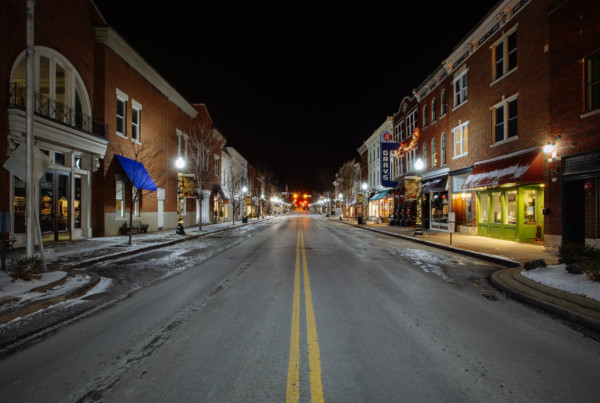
pixel 180 164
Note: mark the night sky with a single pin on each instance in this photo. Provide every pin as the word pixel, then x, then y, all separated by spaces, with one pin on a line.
pixel 295 86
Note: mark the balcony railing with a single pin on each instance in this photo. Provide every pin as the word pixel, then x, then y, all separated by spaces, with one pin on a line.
pixel 55 111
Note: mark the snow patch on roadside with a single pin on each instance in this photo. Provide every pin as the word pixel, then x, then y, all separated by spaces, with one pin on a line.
pixel 426 261
pixel 558 277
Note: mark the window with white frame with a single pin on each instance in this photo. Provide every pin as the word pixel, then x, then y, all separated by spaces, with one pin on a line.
pixel 411 123
pixel 398 132
pixel 433 111
pixel 443 103
pixel 460 89
pixel 592 82
pixel 443 150
pixel 120 199
pixel 433 153
pixel 121 116
pixel 136 117
pixel 136 202
pixel 505 119
pixel 424 115
pixel 182 140
pixel 461 140
pixel 216 165
pixel 425 156
pixel 505 54
pixel 411 157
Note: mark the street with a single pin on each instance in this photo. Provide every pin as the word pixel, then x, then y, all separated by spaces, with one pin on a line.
pixel 301 308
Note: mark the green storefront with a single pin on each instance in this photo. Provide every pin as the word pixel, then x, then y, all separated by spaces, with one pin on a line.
pixel 510 196
pixel 511 213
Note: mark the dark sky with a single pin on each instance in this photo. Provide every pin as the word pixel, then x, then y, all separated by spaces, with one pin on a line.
pixel 295 86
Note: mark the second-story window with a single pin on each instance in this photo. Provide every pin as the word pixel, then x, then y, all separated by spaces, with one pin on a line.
pixel 135 122
pixel 461 140
pixel 433 111
pixel 433 153
pixel 443 150
pixel 592 82
pixel 505 120
pixel 460 89
pixel 505 55
pixel 424 115
pixel 425 156
pixel 216 164
pixel 121 116
pixel 443 103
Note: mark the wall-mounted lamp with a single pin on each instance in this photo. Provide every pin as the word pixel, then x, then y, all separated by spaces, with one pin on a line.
pixel 549 147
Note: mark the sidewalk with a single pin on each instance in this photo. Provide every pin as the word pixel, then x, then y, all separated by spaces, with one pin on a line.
pixel 511 281
pixel 65 261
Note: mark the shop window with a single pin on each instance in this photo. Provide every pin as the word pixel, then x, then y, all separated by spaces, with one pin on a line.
pixel 511 208
pixel 120 201
pixel 19 205
pixel 529 207
pixel 484 203
pixel 77 202
pixel 497 207
pixel 136 202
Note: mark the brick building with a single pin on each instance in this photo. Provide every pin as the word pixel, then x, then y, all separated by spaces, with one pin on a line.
pixel 105 118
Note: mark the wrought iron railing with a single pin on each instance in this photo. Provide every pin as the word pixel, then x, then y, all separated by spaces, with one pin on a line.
pixel 55 111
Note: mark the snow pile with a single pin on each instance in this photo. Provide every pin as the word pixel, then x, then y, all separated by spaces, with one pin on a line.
pixel 558 277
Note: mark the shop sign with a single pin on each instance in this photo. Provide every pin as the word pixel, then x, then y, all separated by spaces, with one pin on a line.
pixel 387 146
pixel 412 184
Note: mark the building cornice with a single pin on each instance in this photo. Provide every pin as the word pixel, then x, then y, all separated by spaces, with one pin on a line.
pixel 110 38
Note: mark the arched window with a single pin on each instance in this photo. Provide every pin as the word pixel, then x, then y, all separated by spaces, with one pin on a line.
pixel 59 90
pixel 443 151
pixel 433 152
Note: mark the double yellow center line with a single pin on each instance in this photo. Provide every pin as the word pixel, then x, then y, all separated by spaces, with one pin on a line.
pixel 314 356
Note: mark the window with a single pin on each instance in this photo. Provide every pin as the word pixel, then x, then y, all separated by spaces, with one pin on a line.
pixel 120 201
pixel 505 55
pixel 592 82
pixel 433 111
pixel 433 153
pixel 205 159
pixel 411 123
pixel 484 205
pixel 505 120
pixel 529 207
pixel 121 113
pixel 443 151
pixel 497 207
pixel 136 110
pixel 424 115
pixel 460 89
pixel 216 165
pixel 461 136
pixel 510 216
pixel 443 103
pixel 399 131
pixel 136 202
pixel 411 157
pixel 425 156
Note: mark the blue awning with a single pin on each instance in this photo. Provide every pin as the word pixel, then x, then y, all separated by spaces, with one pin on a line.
pixel 137 174
pixel 380 194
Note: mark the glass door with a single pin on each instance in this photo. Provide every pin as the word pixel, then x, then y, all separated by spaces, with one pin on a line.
pixel 54 206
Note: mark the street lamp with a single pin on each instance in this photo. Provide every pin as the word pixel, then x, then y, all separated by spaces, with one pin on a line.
pixel 364 202
pixel 180 164
pixel 419 165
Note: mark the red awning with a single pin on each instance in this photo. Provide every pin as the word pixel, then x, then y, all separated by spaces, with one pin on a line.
pixel 525 166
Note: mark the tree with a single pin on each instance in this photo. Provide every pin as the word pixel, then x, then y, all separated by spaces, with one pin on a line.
pixel 203 145
pixel 137 183
pixel 345 181
pixel 232 181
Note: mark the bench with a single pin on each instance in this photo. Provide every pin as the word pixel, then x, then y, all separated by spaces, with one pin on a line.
pixel 136 227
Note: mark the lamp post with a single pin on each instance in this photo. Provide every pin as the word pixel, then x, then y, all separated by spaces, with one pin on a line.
pixel 180 163
pixel 364 187
pixel 419 216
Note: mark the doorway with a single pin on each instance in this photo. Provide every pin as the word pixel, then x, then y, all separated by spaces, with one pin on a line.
pixel 573 212
pixel 55 197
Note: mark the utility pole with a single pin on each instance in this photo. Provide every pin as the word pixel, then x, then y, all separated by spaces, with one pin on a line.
pixel 29 185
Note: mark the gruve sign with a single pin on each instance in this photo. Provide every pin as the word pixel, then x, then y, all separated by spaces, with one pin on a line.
pixel 387 146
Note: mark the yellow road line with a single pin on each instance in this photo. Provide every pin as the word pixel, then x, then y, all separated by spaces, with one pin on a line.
pixel 314 355
pixel 293 380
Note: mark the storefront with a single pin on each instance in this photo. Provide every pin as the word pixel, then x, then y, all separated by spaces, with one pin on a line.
pixel 463 202
pixel 381 205
pixel 510 196
pixel 434 186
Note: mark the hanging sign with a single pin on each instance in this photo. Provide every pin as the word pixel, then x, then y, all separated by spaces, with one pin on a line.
pixel 412 184
pixel 388 145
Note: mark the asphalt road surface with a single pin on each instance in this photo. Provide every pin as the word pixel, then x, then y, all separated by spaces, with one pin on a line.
pixel 307 309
